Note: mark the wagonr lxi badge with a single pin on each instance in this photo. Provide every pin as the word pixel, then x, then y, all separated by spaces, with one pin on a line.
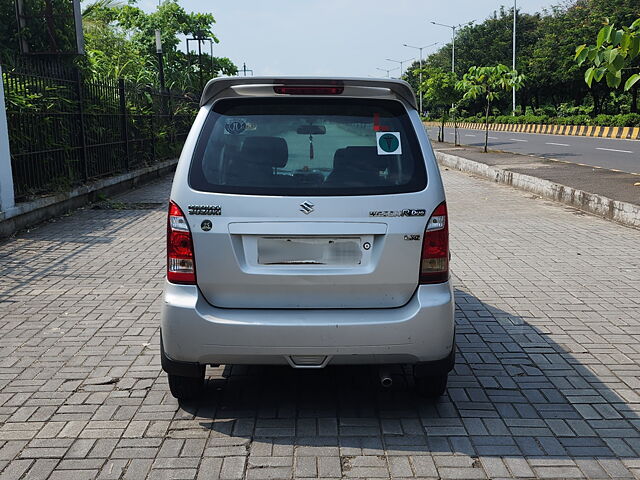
pixel 307 227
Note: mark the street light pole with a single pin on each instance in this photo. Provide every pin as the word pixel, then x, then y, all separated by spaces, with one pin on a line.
pixel 388 70
pixel 160 63
pixel 245 69
pixel 199 37
pixel 401 62
pixel 453 43
pixel 513 92
pixel 453 50
pixel 453 40
pixel 163 90
pixel 200 63
pixel 420 80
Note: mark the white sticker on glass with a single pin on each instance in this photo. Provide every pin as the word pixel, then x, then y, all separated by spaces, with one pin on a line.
pixel 388 143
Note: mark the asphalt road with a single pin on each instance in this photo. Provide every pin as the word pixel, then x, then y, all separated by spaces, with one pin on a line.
pixel 614 154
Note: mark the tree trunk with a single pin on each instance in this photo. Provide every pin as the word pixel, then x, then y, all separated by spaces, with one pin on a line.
pixel 524 101
pixel 442 129
pixel 532 104
pixel 51 30
pixel 596 104
pixel 455 129
pixel 556 103
pixel 486 126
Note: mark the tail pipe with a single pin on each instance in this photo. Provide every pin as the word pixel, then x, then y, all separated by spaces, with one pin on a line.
pixel 385 377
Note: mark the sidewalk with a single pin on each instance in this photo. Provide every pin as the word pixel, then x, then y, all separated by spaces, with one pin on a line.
pixel 607 193
pixel 545 386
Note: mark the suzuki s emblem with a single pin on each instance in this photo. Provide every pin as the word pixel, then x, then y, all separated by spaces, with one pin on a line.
pixel 306 207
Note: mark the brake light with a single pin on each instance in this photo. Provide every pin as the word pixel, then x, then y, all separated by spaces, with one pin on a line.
pixel 181 266
pixel 309 90
pixel 310 87
pixel 434 266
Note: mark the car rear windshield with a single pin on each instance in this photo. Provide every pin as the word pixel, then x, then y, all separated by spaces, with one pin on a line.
pixel 302 147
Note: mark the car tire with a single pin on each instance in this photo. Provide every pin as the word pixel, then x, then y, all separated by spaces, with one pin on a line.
pixel 432 385
pixel 185 388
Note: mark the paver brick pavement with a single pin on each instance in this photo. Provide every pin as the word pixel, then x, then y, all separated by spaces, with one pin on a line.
pixel 546 382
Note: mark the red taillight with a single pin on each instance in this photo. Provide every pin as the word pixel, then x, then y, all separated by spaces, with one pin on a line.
pixel 309 87
pixel 434 266
pixel 181 266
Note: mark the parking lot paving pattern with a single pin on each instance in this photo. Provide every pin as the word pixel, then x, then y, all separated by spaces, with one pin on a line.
pixel 545 386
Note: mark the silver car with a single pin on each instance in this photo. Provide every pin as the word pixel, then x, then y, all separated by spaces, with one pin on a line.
pixel 307 227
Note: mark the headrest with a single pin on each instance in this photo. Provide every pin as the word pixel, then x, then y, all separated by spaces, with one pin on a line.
pixel 359 158
pixel 272 151
pixel 339 158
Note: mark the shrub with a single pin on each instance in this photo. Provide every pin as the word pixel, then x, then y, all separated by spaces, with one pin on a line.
pixel 623 120
pixel 581 119
pixel 627 120
pixel 548 110
pixel 505 119
pixel 603 120
pixel 573 120
pixel 535 119
pixel 567 110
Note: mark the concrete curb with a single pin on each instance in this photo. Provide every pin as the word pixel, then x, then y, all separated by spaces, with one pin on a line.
pixel 27 214
pixel 625 133
pixel 621 212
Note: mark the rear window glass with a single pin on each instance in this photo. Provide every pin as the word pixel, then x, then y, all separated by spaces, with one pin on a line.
pixel 302 147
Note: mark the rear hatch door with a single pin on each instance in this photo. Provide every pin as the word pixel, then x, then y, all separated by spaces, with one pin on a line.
pixel 319 203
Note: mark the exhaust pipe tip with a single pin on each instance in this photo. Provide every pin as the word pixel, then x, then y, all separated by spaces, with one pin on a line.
pixel 385 378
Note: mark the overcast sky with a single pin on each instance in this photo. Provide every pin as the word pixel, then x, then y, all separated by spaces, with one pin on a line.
pixel 335 37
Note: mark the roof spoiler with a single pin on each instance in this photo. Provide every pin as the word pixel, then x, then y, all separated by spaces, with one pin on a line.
pixel 224 87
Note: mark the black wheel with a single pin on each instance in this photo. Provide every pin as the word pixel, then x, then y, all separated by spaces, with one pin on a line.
pixel 185 388
pixel 432 385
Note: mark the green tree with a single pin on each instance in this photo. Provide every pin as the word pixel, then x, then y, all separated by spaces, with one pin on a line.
pixel 48 28
pixel 411 76
pixel 439 90
pixel 120 41
pixel 555 82
pixel 489 83
pixel 552 77
pixel 489 43
pixel 130 34
pixel 8 31
pixel 615 55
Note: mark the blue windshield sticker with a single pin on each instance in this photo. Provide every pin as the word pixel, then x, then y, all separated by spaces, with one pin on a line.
pixel 235 126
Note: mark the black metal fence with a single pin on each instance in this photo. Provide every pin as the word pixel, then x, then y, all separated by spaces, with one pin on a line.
pixel 65 130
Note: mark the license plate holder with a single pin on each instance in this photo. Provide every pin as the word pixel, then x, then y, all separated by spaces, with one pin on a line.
pixel 297 250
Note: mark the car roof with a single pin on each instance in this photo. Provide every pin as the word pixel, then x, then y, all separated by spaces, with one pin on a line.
pixel 223 87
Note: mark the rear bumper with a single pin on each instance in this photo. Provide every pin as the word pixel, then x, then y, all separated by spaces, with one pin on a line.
pixel 422 331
